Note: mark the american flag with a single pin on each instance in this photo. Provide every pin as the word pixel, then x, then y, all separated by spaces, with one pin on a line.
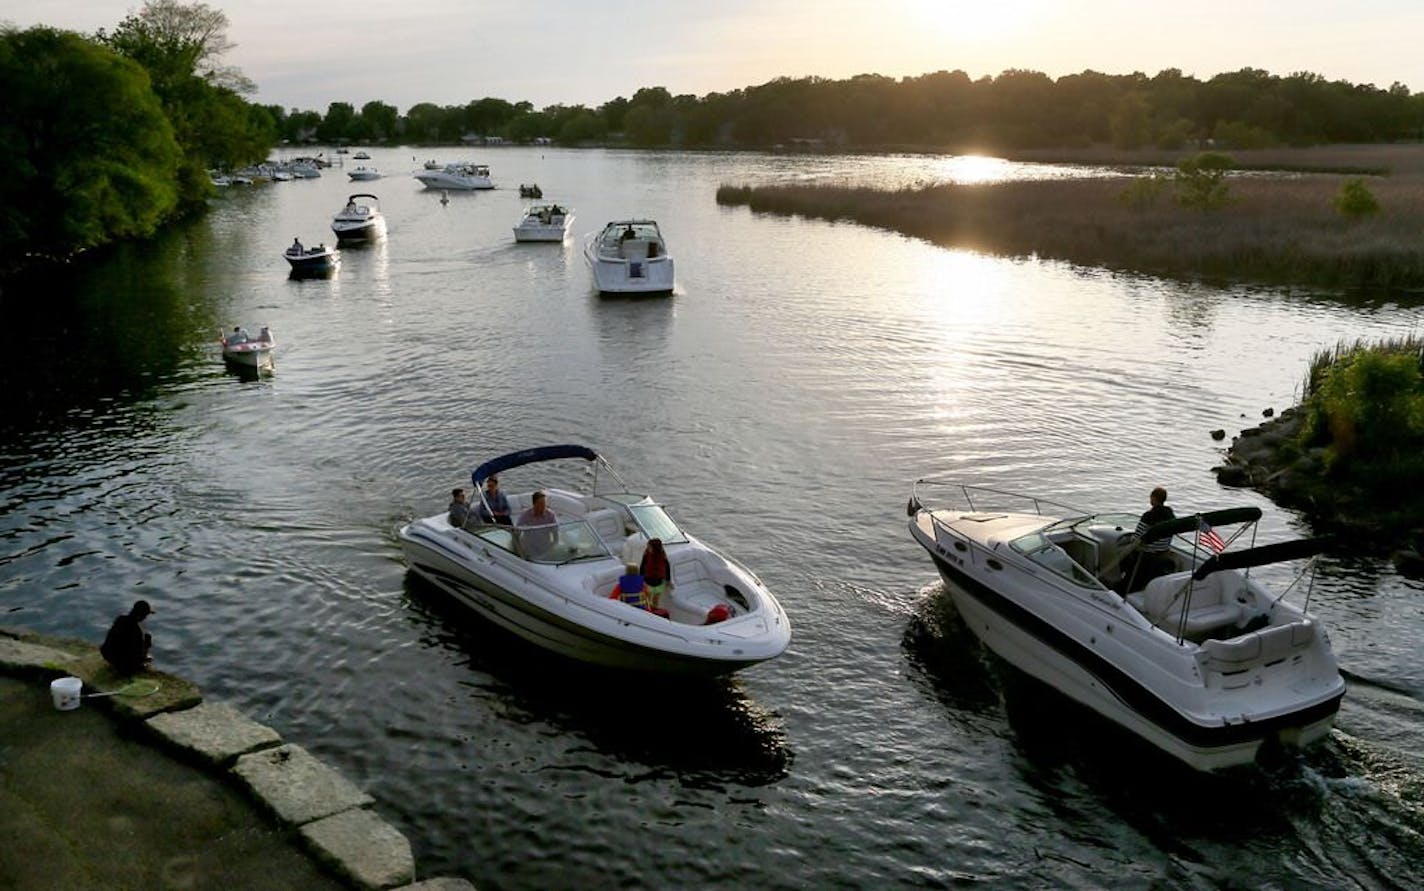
pixel 1207 536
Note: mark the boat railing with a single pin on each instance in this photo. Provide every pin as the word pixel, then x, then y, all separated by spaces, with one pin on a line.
pixel 983 498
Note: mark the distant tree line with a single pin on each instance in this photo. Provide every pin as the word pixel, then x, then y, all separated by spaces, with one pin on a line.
pixel 110 135
pixel 1018 109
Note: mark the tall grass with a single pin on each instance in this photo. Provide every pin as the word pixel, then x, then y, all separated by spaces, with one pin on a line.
pixel 1364 403
pixel 1280 229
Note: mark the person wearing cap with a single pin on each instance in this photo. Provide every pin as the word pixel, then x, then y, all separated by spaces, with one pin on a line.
pixel 126 646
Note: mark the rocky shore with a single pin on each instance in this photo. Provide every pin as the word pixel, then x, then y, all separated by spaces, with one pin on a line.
pixel 1270 459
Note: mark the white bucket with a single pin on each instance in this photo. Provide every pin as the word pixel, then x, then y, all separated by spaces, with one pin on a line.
pixel 65 692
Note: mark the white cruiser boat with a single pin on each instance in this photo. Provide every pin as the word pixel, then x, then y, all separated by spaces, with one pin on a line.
pixel 460 176
pixel 244 352
pixel 544 222
pixel 1202 661
pixel 552 584
pixel 630 257
pixel 318 260
pixel 363 174
pixel 359 220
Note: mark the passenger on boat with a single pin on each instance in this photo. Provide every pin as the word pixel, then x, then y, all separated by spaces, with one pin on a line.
pixel 1152 559
pixel 296 247
pixel 459 508
pixel 539 530
pixel 633 590
pixel 627 234
pixel 265 335
pixel 238 335
pixel 655 570
pixel 495 508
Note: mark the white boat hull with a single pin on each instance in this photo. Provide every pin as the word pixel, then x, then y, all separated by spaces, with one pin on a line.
pixel 1091 645
pixel 655 276
pixel 580 625
pixel 249 355
pixel 439 179
pixel 360 230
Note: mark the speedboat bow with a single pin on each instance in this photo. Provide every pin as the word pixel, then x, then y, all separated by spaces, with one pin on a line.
pixel 318 260
pixel 359 220
pixel 554 583
pixel 241 351
pixel 1199 659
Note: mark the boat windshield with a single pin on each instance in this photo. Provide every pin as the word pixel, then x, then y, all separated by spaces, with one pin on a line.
pixel 567 542
pixel 1036 547
pixel 655 523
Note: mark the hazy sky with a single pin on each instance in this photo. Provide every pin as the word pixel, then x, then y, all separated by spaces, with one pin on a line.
pixel 306 55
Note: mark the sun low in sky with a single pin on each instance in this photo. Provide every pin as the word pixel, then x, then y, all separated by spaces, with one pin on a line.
pixel 576 52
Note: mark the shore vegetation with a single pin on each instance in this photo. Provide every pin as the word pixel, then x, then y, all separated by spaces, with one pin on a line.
pixel 1197 221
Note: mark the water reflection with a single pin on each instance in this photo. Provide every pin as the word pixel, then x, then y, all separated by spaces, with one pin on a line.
pixel 704 731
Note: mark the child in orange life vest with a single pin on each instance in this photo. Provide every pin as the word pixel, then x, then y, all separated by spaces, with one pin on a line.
pixel 632 590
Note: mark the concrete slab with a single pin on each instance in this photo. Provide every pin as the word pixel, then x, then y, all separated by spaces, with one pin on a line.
pixel 214 732
pixel 296 786
pixel 360 845
pixel 21 657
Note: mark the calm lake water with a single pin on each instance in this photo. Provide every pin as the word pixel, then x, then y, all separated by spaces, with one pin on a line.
pixel 781 402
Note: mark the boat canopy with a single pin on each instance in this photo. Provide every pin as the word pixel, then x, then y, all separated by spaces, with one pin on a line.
pixel 1192 523
pixel 531 456
pixel 1271 553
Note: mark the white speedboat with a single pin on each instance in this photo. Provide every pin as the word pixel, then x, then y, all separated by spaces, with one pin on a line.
pixel 317 260
pixel 460 176
pixel 359 220
pixel 241 351
pixel 361 156
pixel 630 257
pixel 552 584
pixel 363 174
pixel 544 222
pixel 1203 661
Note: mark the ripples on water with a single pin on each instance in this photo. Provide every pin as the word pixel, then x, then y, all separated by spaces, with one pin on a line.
pixel 781 403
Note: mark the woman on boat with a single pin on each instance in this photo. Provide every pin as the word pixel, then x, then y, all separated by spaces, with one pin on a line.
pixel 655 570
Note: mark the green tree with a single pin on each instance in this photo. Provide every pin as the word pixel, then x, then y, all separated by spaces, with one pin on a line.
pixel 181 47
pixel 1201 180
pixel 91 155
pixel 1355 200
pixel 382 119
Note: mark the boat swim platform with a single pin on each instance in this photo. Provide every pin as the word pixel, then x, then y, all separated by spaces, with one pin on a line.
pixel 156 787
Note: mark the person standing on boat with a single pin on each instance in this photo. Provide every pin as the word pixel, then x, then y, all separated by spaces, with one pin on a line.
pixel 126 646
pixel 1152 559
pixel 655 570
pixel 496 506
pixel 296 247
pixel 459 508
pixel 538 525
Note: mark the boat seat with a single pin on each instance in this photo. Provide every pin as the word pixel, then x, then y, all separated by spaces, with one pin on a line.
pixel 1265 647
pixel 635 249
pixel 1216 601
pixel 608 523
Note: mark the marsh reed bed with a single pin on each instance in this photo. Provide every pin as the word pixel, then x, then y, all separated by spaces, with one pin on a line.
pixel 1275 228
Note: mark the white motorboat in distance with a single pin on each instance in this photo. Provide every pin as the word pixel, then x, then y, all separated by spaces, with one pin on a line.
pixel 244 352
pixel 1203 661
pixel 460 176
pixel 363 174
pixel 551 585
pixel 359 220
pixel 544 222
pixel 630 257
pixel 319 260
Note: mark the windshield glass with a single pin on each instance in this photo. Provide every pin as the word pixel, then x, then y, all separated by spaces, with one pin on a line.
pixel 1045 553
pixel 572 540
pixel 655 523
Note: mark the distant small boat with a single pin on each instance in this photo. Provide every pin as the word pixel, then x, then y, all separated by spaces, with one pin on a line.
pixel 530 191
pixel 242 351
pixel 433 164
pixel 359 221
pixel 544 222
pixel 361 156
pixel 460 176
pixel 361 174
pixel 317 260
